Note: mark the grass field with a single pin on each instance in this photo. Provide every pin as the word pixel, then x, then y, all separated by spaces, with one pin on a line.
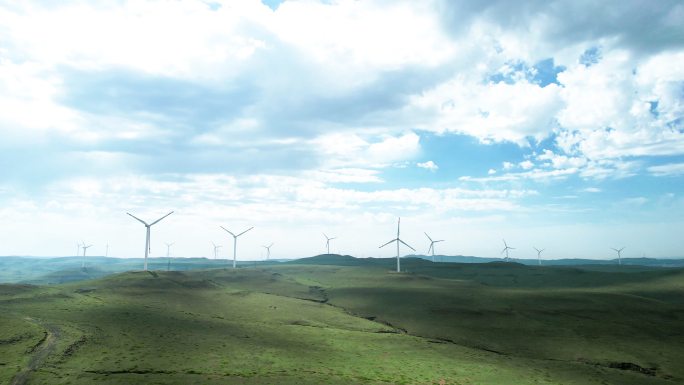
pixel 330 320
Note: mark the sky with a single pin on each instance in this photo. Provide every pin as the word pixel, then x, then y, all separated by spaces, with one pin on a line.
pixel 551 124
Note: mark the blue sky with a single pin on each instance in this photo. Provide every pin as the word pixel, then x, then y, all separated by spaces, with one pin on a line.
pixel 551 124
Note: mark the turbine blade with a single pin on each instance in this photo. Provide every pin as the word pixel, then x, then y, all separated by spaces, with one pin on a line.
pixel 161 218
pixel 426 234
pixel 393 240
pixel 398 226
pixel 229 232
pixel 326 237
pixel 245 231
pixel 406 244
pixel 269 246
pixel 441 240
pixel 137 219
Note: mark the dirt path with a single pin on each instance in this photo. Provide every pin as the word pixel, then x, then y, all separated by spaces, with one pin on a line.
pixel 40 352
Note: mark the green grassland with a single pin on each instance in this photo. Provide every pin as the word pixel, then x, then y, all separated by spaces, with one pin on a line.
pixel 338 321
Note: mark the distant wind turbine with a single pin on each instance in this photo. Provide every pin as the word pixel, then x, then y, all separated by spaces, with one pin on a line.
pixel 398 240
pixel 147 237
pixel 506 248
pixel 327 242
pixel 619 253
pixel 216 249
pixel 107 250
pixel 84 254
pixel 539 254
pixel 168 255
pixel 432 245
pixel 235 237
pixel 268 250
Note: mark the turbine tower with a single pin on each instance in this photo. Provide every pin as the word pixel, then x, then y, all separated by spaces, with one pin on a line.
pixel 235 237
pixel 432 246
pixel 398 240
pixel 168 255
pixel 539 251
pixel 327 242
pixel 268 250
pixel 84 253
pixel 506 248
pixel 216 249
pixel 619 253
pixel 147 237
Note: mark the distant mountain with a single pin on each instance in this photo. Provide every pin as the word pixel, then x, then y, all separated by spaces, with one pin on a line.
pixel 46 270
pixel 653 262
pixel 67 269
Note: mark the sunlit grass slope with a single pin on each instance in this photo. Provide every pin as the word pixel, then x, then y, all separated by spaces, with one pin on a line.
pixel 313 323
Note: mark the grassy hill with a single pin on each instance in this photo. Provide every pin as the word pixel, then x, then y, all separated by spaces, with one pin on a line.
pixel 330 320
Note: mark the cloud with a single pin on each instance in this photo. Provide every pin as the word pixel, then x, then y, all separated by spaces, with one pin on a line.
pixel 592 190
pixel 429 165
pixel 526 165
pixel 670 169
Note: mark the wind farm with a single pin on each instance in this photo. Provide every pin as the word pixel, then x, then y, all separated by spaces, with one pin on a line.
pixel 499 186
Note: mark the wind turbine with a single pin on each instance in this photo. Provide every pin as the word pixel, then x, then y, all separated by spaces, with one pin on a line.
pixel 539 254
pixel 107 250
pixel 398 240
pixel 84 253
pixel 147 227
pixel 168 255
pixel 327 242
pixel 506 248
pixel 619 253
pixel 268 250
pixel 216 249
pixel 432 245
pixel 235 237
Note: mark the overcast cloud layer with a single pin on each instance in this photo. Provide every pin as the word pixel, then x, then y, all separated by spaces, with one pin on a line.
pixel 556 124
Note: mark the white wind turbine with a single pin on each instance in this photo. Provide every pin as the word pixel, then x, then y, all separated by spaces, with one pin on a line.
pixel 619 254
pixel 539 251
pixel 327 242
pixel 398 240
pixel 235 237
pixel 168 255
pixel 432 246
pixel 268 250
pixel 84 253
pixel 506 248
pixel 147 237
pixel 107 250
pixel 216 249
